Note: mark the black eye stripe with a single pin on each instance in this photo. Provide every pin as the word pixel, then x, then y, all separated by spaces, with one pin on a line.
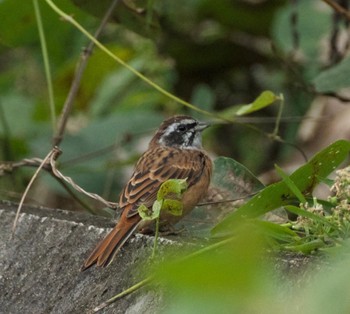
pixel 185 127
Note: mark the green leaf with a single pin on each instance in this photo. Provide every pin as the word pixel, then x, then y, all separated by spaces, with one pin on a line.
pixel 234 179
pixel 335 78
pixel 265 99
pixel 172 187
pixel 291 185
pixel 175 187
pixel 148 214
pixel 278 194
pixel 174 207
pixel 311 33
pixel 276 231
pixel 216 279
pixel 306 248
pixel 304 213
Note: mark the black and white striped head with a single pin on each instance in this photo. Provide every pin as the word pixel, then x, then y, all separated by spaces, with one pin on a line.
pixel 180 131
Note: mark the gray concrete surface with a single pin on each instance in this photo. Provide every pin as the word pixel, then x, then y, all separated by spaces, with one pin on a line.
pixel 39 267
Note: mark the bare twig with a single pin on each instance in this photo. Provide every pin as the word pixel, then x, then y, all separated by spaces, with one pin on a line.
pixel 78 75
pixel 28 188
pixel 50 167
pixel 338 8
pixel 58 174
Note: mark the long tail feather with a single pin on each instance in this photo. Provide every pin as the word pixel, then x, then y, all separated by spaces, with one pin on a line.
pixel 106 250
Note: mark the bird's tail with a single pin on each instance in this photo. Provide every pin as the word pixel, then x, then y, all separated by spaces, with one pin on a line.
pixel 106 250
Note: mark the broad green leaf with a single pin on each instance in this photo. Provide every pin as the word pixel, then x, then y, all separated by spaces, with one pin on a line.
pixel 276 231
pixel 173 186
pixel 234 179
pixel 307 247
pixel 279 194
pixel 335 78
pixel 310 33
pixel 291 185
pixel 230 181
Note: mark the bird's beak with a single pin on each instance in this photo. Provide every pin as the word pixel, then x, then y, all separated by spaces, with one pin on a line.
pixel 201 126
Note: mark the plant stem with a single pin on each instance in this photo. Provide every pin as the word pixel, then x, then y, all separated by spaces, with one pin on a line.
pixel 156 236
pixel 279 115
pixel 27 190
pixel 46 64
pixel 122 294
pixel 69 19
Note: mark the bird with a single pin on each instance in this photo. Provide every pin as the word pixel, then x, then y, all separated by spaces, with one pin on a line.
pixel 174 152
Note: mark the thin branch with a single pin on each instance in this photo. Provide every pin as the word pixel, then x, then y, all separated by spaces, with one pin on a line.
pixel 27 190
pixel 335 95
pixel 338 8
pixel 279 115
pixel 58 174
pixel 78 76
pixel 74 196
pixel 227 201
pixel 50 167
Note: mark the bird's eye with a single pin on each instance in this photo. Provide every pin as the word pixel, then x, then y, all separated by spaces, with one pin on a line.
pixel 182 128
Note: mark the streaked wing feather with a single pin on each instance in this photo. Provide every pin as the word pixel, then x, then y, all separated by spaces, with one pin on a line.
pixel 155 167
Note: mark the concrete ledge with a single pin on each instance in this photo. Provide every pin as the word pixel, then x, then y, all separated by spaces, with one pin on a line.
pixel 39 267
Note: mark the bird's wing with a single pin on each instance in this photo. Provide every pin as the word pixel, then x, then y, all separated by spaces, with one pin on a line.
pixel 155 167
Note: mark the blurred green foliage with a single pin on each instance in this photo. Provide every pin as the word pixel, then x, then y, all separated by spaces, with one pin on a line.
pixel 214 54
pixel 238 277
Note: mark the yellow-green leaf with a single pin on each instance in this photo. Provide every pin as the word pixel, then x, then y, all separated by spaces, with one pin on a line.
pixel 174 207
pixel 265 99
pixel 175 187
pixel 150 214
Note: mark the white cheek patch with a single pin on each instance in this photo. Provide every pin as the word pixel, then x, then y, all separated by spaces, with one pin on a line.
pixel 196 141
pixel 187 141
pixel 171 128
pixel 186 137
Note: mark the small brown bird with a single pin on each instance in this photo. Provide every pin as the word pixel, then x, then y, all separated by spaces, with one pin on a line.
pixel 175 152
